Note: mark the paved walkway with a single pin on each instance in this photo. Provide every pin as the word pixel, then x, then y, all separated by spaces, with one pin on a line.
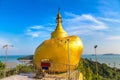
pixel 30 76
pixel 23 76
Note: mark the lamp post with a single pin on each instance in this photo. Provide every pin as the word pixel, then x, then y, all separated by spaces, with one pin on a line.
pixel 68 47
pixel 96 60
pixel 6 53
pixel 68 40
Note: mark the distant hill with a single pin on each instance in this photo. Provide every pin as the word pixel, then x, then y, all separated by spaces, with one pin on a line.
pixel 30 57
pixel 110 54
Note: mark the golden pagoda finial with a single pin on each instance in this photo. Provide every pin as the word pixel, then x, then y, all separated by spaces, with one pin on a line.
pixel 59 19
pixel 59 31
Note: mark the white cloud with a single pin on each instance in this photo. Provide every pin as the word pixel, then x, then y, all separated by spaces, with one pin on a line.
pixel 114 38
pixel 71 14
pixel 110 19
pixel 38 31
pixel 33 34
pixel 83 24
pixel 90 18
pixel 37 27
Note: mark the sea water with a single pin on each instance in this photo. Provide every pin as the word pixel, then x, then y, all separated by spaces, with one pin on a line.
pixel 10 58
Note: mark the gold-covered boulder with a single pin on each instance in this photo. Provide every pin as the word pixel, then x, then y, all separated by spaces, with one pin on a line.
pixel 61 50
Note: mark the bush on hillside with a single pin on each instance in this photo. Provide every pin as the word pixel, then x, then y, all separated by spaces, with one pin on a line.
pixel 88 68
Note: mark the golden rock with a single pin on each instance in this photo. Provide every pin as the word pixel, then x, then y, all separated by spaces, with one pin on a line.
pixel 59 50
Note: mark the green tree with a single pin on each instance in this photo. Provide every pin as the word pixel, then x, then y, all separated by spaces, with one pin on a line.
pixel 23 68
pixel 88 69
pixel 2 67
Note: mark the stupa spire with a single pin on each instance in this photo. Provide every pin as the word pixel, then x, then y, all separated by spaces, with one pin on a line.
pixel 59 18
pixel 59 21
pixel 59 31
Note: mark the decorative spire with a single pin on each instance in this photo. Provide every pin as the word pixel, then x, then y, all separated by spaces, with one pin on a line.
pixel 59 19
pixel 59 31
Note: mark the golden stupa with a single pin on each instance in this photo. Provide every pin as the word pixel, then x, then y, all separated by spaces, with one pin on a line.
pixel 61 50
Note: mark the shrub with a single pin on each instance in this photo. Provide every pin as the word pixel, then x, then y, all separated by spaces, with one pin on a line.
pixel 24 68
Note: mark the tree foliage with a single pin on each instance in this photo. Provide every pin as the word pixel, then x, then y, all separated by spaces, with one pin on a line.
pixel 88 69
pixel 2 67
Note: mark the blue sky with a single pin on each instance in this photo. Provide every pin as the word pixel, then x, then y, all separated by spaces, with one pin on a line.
pixel 27 23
